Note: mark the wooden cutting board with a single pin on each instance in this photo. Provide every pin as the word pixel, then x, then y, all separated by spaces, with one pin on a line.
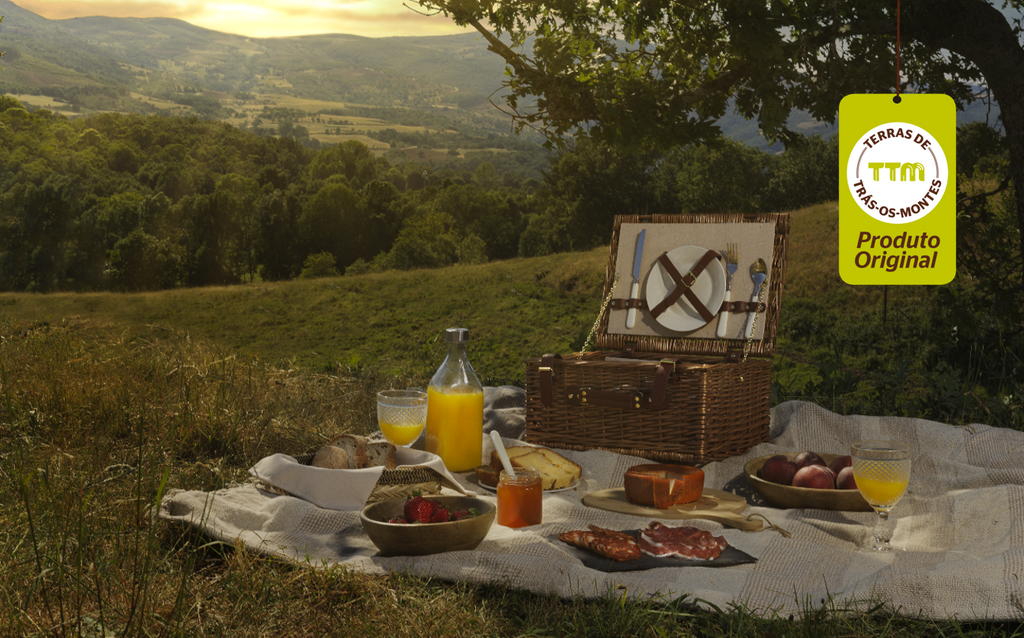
pixel 713 505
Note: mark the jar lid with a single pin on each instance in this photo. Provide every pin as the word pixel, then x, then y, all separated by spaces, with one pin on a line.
pixel 524 476
pixel 456 335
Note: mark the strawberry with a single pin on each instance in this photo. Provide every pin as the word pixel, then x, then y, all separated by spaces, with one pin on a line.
pixel 418 510
pixel 398 520
pixel 440 516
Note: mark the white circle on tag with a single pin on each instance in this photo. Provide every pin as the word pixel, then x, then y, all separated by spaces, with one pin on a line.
pixel 897 173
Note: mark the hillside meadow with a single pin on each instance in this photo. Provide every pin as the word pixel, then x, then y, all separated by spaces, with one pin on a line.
pixel 866 349
pixel 108 400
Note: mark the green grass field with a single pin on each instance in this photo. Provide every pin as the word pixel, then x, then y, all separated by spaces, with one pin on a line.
pixel 107 400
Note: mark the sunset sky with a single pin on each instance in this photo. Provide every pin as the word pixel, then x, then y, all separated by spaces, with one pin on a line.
pixel 264 18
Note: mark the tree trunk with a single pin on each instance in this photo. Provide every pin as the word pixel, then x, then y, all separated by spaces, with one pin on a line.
pixel 978 31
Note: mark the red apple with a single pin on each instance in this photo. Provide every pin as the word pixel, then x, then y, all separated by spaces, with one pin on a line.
pixel 839 463
pixel 808 458
pixel 845 479
pixel 779 469
pixel 818 477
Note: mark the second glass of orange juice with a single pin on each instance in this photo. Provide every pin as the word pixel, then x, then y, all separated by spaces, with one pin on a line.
pixel 882 472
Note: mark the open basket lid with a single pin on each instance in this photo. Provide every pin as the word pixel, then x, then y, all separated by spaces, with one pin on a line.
pixel 681 290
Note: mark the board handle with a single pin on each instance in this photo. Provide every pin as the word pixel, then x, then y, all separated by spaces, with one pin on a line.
pixel 738 521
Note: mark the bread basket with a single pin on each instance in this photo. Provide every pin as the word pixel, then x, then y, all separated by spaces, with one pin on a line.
pixel 393 483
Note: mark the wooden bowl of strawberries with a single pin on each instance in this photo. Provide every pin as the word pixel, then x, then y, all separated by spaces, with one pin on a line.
pixel 424 525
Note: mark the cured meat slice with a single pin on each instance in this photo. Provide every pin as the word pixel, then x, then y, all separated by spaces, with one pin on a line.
pixel 685 542
pixel 618 546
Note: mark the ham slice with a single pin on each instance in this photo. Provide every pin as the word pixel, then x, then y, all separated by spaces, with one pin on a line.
pixel 684 542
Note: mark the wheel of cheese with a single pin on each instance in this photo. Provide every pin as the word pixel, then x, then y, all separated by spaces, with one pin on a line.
pixel 663 485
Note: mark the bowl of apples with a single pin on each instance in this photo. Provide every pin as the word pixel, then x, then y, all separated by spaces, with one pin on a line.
pixel 806 480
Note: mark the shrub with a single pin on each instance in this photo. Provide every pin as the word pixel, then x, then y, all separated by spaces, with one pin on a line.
pixel 319 265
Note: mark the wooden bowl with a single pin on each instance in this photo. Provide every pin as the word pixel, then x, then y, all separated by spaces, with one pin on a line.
pixel 789 497
pixel 398 539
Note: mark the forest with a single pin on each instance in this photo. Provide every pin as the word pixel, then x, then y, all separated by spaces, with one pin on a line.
pixel 131 202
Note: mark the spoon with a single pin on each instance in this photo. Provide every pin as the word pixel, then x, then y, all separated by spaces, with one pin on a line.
pixel 499 447
pixel 758 273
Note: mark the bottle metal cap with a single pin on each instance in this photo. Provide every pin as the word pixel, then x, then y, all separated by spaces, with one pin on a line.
pixel 456 335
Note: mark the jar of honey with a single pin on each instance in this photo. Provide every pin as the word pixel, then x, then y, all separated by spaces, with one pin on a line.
pixel 520 501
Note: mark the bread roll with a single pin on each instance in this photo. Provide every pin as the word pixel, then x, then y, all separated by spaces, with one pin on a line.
pixel 331 457
pixel 355 446
pixel 381 453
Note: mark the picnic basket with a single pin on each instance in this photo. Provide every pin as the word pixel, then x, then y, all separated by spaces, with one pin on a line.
pixel 393 483
pixel 659 393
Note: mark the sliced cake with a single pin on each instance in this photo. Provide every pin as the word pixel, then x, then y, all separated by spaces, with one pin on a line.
pixel 556 471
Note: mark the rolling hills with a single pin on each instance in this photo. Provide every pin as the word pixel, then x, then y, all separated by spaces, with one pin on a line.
pixel 161 65
pixel 155 65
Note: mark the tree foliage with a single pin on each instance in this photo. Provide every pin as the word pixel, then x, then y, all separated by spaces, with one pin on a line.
pixel 659 73
pixel 129 202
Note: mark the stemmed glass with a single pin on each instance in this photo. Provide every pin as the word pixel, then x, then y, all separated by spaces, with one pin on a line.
pixel 882 471
pixel 401 415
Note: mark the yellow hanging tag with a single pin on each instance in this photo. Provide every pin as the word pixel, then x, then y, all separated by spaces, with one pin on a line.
pixel 897 189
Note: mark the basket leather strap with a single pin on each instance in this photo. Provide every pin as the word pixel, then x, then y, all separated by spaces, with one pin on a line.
pixel 684 284
pixel 735 307
pixel 625 304
pixel 626 398
pixel 547 373
pixel 742 307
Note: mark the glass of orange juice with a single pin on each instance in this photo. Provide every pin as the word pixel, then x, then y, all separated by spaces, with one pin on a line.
pixel 882 472
pixel 402 415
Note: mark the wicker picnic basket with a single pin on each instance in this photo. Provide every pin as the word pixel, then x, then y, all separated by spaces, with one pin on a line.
pixel 393 483
pixel 656 393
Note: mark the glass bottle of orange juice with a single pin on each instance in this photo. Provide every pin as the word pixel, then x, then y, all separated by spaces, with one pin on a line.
pixel 455 408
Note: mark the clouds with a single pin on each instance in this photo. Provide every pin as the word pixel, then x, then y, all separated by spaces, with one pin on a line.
pixel 264 18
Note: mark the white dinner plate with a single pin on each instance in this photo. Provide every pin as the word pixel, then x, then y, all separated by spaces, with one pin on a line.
pixel 709 288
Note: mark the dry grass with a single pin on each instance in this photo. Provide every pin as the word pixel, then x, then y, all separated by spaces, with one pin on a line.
pixel 104 408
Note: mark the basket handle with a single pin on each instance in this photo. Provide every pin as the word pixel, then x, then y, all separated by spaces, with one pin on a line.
pixel 621 398
pixel 547 374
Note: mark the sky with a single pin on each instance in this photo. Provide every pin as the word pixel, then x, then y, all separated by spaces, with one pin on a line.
pixel 264 18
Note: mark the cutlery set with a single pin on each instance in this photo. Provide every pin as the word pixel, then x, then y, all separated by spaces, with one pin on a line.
pixel 758 275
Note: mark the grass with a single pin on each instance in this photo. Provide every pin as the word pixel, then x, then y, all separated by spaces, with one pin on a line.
pixel 107 400
pixel 391 321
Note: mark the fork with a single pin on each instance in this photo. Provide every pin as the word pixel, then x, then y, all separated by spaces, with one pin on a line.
pixel 732 260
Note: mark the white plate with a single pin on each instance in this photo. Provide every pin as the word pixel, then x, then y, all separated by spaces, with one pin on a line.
pixel 709 288
pixel 561 489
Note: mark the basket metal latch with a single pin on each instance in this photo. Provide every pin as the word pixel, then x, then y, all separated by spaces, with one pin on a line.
pixel 624 399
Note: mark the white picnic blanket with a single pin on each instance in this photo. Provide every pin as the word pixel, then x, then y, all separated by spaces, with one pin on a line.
pixel 961 525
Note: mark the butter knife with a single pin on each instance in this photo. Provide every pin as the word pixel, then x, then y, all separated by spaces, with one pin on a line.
pixel 634 293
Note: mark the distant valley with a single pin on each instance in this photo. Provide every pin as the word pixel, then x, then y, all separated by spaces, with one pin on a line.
pixel 423 95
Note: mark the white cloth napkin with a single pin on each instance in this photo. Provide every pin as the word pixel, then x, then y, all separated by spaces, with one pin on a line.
pixel 340 489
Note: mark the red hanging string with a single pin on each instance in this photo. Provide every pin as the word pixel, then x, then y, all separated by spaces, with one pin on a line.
pixel 897 51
